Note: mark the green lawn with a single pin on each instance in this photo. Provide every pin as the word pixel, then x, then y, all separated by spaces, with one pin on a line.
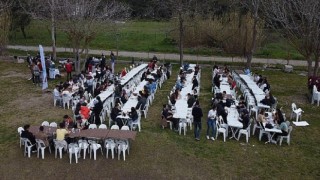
pixel 160 153
pixel 148 36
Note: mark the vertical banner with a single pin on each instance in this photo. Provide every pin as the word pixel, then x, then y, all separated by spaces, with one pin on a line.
pixel 44 71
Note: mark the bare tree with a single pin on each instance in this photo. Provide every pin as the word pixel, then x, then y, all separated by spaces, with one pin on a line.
pixel 299 22
pixel 81 20
pixel 253 8
pixel 4 24
pixel 44 10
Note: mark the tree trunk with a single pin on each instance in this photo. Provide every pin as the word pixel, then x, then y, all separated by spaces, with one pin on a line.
pixel 53 30
pixel 23 32
pixel 309 60
pixel 316 66
pixel 181 36
pixel 254 36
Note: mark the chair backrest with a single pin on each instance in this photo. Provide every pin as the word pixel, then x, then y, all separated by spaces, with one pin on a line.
pixel 45 123
pixel 293 106
pixel 92 126
pixel 53 124
pixel 126 128
pixel 115 127
pixel 290 130
pixel 20 129
pixel 40 143
pixel 103 126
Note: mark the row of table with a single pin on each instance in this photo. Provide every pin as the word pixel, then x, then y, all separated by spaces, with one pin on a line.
pixel 90 133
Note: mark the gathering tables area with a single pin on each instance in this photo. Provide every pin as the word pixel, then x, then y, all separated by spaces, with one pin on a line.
pixel 132 73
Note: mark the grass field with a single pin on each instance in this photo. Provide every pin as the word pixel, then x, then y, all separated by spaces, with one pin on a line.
pixel 147 36
pixel 158 153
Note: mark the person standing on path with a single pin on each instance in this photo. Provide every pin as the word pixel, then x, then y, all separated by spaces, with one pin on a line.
pixel 197 115
pixel 68 67
pixel 113 59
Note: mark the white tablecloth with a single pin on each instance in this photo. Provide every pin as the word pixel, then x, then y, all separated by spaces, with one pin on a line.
pixel 103 95
pixel 133 100
pixel 132 73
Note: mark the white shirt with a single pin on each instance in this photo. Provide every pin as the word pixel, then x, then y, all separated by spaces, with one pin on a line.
pixel 56 92
pixel 212 114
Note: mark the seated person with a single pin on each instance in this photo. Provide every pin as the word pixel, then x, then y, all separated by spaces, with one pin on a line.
pixel 283 126
pixel 195 82
pixel 61 133
pixel 115 112
pixel 191 100
pixel 85 111
pixel 261 118
pixel 81 123
pixel 168 115
pixel 68 121
pixel 216 80
pixel 30 136
pixel 124 97
pixel 245 119
pixel 142 101
pixel 266 101
pixel 133 116
pixel 221 112
pixel 278 116
pixel 42 136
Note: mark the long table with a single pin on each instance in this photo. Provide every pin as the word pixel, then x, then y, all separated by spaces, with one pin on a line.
pixel 103 95
pixel 90 133
pixel 131 74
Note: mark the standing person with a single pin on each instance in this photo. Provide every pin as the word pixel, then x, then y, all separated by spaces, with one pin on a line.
pixel 98 106
pixel 68 67
pixel 211 122
pixel 195 82
pixel 36 75
pixel 197 115
pixel 103 62
pixel 113 59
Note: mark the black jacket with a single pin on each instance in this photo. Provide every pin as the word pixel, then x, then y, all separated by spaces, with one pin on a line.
pixel 197 113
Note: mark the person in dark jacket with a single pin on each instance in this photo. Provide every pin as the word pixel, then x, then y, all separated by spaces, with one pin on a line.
pixel 245 119
pixel 197 115
pixel 195 82
pixel 98 106
pixel 191 100
pixel 30 136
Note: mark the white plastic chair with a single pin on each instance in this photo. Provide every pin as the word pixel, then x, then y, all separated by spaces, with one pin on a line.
pixel 125 128
pixel 116 127
pixel 83 145
pixel 74 149
pixel 256 126
pixel 296 112
pixel 58 147
pixel 56 99
pixel 27 147
pixel 183 125
pixel 45 123
pixel 92 126
pixel 66 100
pixel 109 145
pixel 286 137
pixel 137 122
pixel 20 129
pixel 245 132
pixel 122 147
pixel 41 146
pixel 93 148
pixel 221 130
pixel 53 124
pixel 254 109
pixel 223 125
pixel 102 126
pixel 145 109
pixel 315 95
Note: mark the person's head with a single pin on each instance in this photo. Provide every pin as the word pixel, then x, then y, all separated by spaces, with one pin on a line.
pixel 65 117
pixel 68 60
pixel 197 103
pixel 213 107
pixel 262 111
pixel 41 128
pixel 98 98
pixel 133 109
pixel 26 127
pixel 62 125
pixel 164 106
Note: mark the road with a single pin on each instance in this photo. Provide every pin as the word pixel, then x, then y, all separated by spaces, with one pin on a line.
pixel 171 56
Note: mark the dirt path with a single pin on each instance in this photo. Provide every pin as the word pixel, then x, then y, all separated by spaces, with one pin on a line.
pixel 171 56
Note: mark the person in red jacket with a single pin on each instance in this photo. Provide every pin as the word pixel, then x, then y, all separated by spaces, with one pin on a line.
pixel 68 67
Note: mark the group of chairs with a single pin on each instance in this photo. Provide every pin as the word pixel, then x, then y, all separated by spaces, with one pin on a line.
pixel 92 145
